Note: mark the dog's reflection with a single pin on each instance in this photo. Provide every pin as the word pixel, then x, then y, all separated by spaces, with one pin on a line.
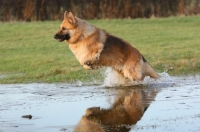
pixel 125 111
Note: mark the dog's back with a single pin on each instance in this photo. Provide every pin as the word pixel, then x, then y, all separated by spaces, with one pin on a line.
pixel 125 59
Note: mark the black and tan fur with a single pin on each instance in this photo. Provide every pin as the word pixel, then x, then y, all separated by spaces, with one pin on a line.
pixel 94 48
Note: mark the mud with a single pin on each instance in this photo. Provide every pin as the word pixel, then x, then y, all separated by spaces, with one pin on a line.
pixel 169 104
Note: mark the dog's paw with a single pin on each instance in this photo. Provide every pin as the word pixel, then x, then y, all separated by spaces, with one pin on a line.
pixel 95 67
pixel 87 67
pixel 92 111
pixel 89 63
pixel 91 67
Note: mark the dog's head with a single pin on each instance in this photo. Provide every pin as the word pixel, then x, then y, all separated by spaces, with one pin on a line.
pixel 67 27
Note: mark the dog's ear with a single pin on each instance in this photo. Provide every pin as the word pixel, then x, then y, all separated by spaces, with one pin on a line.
pixel 71 19
pixel 65 14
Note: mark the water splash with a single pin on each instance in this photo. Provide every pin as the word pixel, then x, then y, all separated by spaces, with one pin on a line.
pixel 113 79
pixel 165 76
pixel 79 83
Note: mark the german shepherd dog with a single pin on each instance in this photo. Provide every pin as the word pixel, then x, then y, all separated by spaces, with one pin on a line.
pixel 94 48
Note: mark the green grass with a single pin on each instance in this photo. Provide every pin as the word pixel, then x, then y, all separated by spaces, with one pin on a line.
pixel 29 53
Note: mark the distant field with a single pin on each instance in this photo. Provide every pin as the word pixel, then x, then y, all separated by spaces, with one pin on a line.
pixel 29 53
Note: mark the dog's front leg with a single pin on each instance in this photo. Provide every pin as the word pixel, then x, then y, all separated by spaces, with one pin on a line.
pixel 90 65
pixel 92 60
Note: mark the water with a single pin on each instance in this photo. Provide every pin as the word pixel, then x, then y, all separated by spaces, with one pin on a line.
pixel 168 104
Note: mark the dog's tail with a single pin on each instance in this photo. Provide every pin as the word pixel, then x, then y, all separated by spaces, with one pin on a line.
pixel 149 71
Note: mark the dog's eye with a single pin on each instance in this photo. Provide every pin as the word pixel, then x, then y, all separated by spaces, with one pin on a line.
pixel 63 28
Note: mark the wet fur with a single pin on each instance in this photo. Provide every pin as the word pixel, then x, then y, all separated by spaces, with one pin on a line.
pixel 94 48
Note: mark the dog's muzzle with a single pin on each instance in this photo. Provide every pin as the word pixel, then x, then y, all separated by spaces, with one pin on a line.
pixel 61 38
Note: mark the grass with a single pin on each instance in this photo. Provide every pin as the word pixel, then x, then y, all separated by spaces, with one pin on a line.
pixel 29 53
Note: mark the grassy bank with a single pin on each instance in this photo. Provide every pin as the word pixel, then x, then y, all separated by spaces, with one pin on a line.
pixel 29 53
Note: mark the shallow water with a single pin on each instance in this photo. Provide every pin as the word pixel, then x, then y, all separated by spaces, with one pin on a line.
pixel 169 104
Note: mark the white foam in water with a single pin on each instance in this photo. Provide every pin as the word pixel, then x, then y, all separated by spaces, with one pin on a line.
pixel 112 79
pixel 79 83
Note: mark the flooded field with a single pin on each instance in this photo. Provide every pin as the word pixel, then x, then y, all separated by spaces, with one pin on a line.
pixel 169 104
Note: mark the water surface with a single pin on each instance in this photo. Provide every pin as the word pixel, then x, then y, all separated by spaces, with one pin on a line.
pixel 169 104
